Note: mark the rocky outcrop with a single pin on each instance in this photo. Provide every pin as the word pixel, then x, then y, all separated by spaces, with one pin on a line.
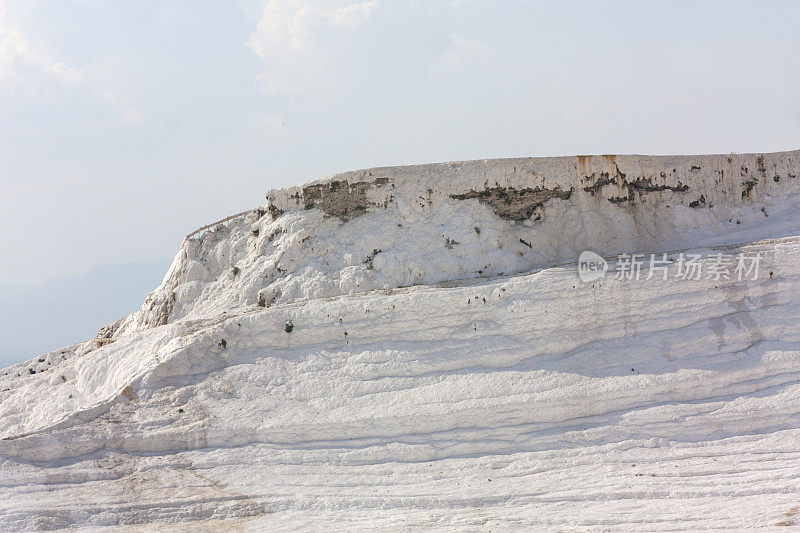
pixel 486 218
pixel 391 347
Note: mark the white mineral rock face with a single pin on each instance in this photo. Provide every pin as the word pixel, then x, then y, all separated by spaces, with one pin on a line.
pixel 411 347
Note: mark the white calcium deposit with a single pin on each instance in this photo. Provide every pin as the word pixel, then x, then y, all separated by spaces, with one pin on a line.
pixel 411 348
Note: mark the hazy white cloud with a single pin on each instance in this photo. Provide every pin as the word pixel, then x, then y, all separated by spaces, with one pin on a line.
pixel 292 22
pixel 462 52
pixel 132 116
pixel 285 36
pixel 274 120
pixel 18 54
pixel 22 57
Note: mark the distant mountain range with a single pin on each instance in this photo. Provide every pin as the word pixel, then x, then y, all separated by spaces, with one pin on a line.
pixel 35 320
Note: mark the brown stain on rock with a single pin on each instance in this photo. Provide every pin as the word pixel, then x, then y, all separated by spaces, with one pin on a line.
pixel 159 308
pixel 583 164
pixel 611 160
pixel 128 393
pixel 340 198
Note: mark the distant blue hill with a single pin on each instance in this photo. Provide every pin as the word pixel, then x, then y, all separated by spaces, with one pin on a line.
pixel 36 320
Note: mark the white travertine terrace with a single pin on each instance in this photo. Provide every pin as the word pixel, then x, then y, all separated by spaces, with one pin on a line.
pixel 411 347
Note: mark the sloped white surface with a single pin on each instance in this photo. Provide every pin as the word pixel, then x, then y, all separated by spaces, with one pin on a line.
pixel 529 400
pixel 423 235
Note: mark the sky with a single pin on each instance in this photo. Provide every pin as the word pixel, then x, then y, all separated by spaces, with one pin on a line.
pixel 126 125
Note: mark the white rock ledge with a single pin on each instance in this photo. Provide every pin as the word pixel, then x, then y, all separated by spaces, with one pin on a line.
pixel 410 347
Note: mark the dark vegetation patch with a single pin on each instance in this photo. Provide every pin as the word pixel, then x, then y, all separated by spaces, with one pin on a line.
pixel 748 187
pixel 514 204
pixel 640 184
pixel 620 199
pixel 647 185
pixel 700 202
pixel 760 165
pixel 274 211
pixel 370 257
pixel 605 179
